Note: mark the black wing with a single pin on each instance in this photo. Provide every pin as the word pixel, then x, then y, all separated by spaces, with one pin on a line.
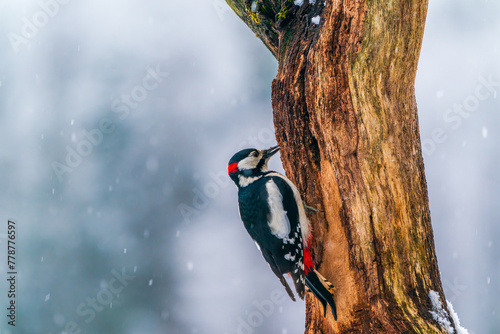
pixel 282 254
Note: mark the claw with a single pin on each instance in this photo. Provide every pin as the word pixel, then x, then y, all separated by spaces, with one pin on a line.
pixel 310 209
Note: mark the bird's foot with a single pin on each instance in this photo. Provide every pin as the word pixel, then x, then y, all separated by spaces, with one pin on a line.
pixel 310 209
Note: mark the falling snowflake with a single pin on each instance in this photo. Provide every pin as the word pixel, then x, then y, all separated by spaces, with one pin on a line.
pixel 190 265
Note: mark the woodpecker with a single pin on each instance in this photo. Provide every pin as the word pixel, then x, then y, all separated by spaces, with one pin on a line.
pixel 273 213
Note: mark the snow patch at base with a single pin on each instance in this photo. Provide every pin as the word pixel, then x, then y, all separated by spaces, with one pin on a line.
pixel 439 313
pixel 442 317
pixel 299 2
pixel 456 321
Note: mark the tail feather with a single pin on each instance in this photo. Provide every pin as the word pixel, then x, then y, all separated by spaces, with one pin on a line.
pixel 299 281
pixel 287 287
pixel 322 290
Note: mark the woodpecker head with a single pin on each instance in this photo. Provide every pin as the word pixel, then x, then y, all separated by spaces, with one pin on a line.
pixel 249 163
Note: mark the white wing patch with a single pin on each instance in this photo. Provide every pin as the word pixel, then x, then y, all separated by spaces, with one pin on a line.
pixel 305 226
pixel 278 222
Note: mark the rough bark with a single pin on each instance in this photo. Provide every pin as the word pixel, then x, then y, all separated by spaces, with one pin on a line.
pixel 346 121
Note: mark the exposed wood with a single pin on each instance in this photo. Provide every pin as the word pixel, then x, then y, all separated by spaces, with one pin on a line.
pixel 346 121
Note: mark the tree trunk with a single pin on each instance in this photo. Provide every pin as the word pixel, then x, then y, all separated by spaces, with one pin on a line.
pixel 346 122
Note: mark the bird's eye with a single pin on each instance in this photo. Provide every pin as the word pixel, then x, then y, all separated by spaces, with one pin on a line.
pixel 254 154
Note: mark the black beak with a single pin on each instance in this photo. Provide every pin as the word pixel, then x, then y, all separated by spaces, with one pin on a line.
pixel 270 152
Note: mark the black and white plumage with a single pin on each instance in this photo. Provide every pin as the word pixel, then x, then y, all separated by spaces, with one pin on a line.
pixel 273 213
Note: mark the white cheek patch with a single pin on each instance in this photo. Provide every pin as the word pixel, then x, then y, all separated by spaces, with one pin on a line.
pixel 278 220
pixel 248 163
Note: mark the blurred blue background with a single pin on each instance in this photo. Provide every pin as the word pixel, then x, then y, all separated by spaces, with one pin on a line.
pixel 117 120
